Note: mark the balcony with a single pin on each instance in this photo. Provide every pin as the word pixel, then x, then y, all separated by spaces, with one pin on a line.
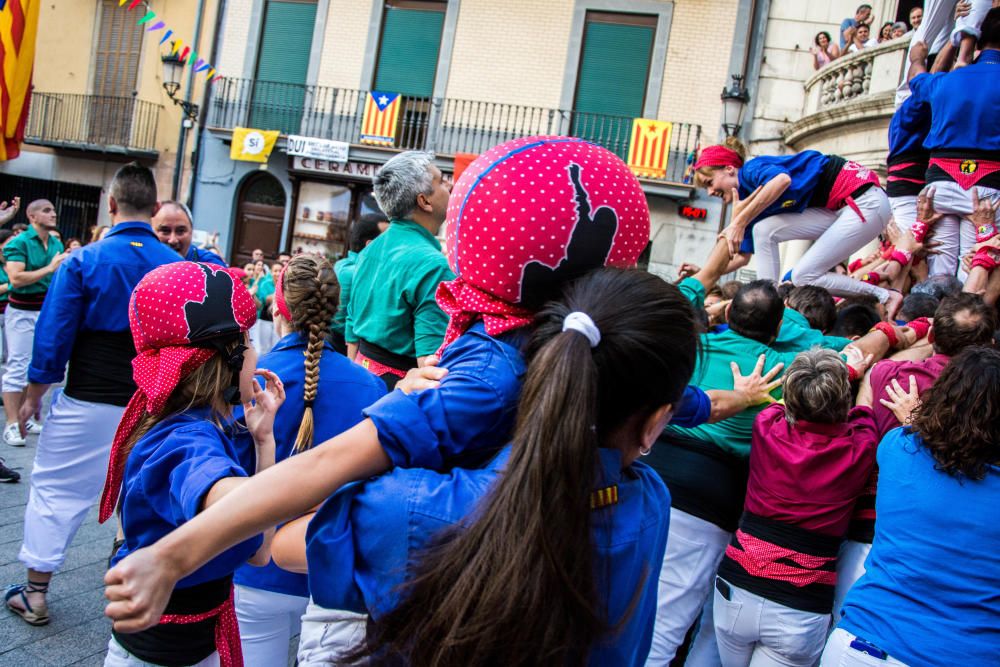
pixel 848 105
pixel 123 125
pixel 444 126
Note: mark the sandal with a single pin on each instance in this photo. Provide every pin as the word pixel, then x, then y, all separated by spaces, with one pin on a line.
pixel 30 615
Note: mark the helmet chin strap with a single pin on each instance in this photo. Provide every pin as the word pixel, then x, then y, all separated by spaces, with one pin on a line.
pixel 234 361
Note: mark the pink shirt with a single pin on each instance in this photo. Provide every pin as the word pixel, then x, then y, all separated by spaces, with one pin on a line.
pixel 810 474
pixel 883 373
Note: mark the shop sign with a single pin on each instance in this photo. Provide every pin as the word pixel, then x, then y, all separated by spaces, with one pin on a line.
pixel 320 166
pixel 319 149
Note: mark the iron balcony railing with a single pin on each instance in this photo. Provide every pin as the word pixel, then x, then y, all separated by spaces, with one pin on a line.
pixel 93 122
pixel 443 125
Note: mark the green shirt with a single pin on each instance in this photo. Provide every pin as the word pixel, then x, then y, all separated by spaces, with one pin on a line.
pixel 345 276
pixel 693 291
pixel 27 248
pixel 392 297
pixel 265 288
pixel 712 371
pixel 796 335
pixel 4 280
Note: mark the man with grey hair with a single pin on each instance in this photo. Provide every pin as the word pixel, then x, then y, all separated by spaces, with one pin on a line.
pixel 393 320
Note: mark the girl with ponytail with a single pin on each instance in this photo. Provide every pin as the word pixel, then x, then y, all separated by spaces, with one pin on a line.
pixel 837 203
pixel 325 395
pixel 549 554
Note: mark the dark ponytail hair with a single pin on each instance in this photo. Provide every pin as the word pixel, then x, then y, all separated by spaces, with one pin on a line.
pixel 516 586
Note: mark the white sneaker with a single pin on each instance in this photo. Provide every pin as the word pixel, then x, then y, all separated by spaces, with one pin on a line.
pixel 12 436
pixel 33 427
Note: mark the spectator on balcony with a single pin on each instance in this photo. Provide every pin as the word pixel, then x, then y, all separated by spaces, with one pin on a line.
pixel 849 26
pixel 899 29
pixel 862 39
pixel 824 51
pixel 884 33
pixel 916 17
pixel 393 321
pixel 174 226
pixel 963 141
pixel 824 198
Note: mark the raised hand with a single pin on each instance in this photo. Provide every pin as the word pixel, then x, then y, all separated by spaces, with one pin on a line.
pixel 984 211
pixel 260 411
pixel 8 211
pixel 757 386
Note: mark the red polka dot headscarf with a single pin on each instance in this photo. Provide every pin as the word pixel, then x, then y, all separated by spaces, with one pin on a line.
pixel 530 215
pixel 177 313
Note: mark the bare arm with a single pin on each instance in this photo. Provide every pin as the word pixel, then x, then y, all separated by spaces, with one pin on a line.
pixel 748 391
pixel 21 278
pixel 918 60
pixel 289 546
pixel 715 266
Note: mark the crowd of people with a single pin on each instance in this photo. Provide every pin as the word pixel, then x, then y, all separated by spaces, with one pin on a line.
pixel 520 449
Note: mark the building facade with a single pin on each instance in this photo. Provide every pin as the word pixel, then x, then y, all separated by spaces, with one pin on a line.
pixel 98 101
pixel 469 74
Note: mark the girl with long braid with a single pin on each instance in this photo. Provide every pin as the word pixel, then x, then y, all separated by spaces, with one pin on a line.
pixel 325 395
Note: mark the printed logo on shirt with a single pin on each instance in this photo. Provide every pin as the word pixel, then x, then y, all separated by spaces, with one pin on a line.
pixel 604 497
pixel 788 203
pixel 968 166
pixel 137 244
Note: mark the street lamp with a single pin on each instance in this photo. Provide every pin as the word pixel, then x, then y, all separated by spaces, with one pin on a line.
pixel 173 71
pixel 734 104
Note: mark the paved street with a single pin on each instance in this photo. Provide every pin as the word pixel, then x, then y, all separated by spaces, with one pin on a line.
pixel 78 633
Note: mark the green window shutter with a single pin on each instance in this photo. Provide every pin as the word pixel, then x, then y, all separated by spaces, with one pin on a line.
pixel 282 65
pixel 408 55
pixel 614 70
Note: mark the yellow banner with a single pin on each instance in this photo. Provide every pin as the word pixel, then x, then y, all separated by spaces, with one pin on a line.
pixel 649 149
pixel 252 145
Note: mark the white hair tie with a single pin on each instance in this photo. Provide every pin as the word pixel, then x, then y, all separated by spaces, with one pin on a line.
pixel 581 322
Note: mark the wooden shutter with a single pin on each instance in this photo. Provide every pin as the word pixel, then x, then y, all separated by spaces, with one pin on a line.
pixel 408 50
pixel 117 52
pixel 282 65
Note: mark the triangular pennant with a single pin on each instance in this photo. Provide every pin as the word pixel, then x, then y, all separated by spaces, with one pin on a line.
pixel 184 55
pixel 215 79
pixel 210 73
pixel 177 46
pixel 204 66
pixel 135 3
pixel 194 56
pixel 121 2
pixel 197 65
pixel 159 25
pixel 166 36
pixel 150 15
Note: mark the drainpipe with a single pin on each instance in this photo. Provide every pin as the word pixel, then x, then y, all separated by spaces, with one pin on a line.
pixel 188 94
pixel 203 112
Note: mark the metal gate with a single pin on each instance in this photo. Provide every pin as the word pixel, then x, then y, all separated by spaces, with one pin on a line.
pixel 76 205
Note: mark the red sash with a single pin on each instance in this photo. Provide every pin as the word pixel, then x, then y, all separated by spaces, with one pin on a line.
pixel 377 368
pixel 227 630
pixel 966 172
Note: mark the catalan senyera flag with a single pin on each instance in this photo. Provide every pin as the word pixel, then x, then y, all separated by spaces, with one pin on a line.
pixel 18 32
pixel 649 149
pixel 381 116
pixel 252 145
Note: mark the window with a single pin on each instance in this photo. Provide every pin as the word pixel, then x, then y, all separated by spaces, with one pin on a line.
pixel 612 77
pixel 408 51
pixel 282 65
pixel 116 71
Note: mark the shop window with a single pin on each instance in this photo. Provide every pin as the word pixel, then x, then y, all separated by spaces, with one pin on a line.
pixel 282 65
pixel 322 219
pixel 612 77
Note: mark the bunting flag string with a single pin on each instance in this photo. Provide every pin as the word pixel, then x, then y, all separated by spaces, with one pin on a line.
pixel 186 54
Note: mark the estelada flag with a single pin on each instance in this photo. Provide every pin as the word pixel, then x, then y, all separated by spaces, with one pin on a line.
pixel 251 145
pixel 381 115
pixel 649 150
pixel 18 32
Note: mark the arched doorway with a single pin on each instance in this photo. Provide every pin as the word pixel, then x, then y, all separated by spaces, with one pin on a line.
pixel 260 214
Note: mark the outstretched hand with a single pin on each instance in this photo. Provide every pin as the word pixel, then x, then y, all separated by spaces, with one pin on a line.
pixel 984 211
pixel 8 211
pixel 925 206
pixel 757 386
pixel 261 409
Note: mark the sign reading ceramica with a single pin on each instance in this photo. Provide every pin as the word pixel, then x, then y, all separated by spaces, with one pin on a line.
pixel 317 149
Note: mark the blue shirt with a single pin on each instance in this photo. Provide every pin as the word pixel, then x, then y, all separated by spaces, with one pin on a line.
pixel 169 472
pixel 471 414
pixel 963 105
pixel 90 292
pixel 909 126
pixel 345 390
pixel 844 25
pixel 805 170
pixel 360 544
pixel 201 255
pixel 929 595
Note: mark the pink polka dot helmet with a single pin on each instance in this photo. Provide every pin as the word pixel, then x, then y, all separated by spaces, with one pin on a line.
pixel 530 215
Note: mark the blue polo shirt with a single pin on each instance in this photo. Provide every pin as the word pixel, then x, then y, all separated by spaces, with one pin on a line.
pixel 345 390
pixel 803 168
pixel 964 105
pixel 929 595
pixel 909 125
pixel 169 472
pixel 361 542
pixel 201 255
pixel 84 320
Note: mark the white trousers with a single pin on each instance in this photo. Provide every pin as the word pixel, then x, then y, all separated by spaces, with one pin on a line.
pixel 956 235
pixel 752 630
pixel 850 568
pixel 119 657
pixel 268 621
pixel 836 235
pixel 71 463
pixel 704 649
pixel 839 653
pixel 904 211
pixel 328 634
pixel 19 330
pixel 694 550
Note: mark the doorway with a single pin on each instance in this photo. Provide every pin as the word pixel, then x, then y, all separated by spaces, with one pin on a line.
pixel 260 215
